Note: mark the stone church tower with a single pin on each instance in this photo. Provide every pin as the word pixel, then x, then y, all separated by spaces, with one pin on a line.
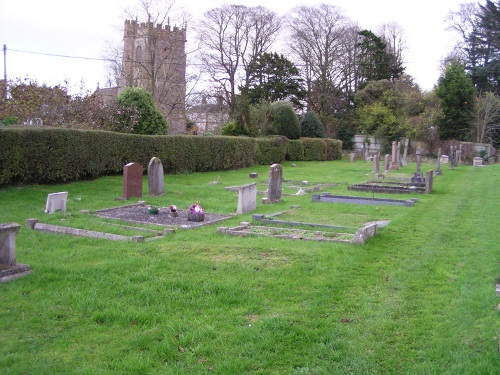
pixel 154 58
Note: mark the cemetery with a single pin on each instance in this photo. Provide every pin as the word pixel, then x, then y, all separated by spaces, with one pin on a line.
pixel 274 254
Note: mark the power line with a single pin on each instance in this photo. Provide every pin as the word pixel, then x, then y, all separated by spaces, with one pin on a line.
pixel 56 55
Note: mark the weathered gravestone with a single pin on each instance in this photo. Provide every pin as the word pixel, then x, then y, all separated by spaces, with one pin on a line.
pixel 386 162
pixel 398 156
pixel 9 268
pixel 439 172
pixel 56 202
pixel 247 197
pixel 156 183
pixel 428 181
pixel 477 161
pixel 352 157
pixel 132 181
pixel 394 164
pixel 376 163
pixel 404 161
pixel 418 178
pixel 274 184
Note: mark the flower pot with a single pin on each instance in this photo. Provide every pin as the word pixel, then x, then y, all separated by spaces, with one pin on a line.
pixel 153 211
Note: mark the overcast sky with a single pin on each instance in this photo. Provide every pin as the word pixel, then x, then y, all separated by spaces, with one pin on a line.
pixel 83 28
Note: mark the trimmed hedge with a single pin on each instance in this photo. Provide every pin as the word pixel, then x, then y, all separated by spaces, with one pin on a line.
pixel 54 155
pixel 271 150
pixel 63 155
pixel 295 150
pixel 333 149
pixel 314 149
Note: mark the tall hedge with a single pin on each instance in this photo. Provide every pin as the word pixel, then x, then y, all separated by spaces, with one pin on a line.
pixel 63 155
pixel 271 150
pixel 333 149
pixel 314 149
pixel 56 155
pixel 295 150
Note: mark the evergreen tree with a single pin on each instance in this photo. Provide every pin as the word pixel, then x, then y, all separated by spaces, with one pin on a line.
pixel 273 77
pixel 483 49
pixel 284 119
pixel 375 62
pixel 457 94
pixel 139 112
pixel 311 126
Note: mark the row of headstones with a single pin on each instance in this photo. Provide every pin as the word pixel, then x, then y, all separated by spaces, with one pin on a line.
pixel 396 161
pixel 132 182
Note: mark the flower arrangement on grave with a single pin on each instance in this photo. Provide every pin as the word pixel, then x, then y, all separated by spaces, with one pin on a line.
pixel 196 213
pixel 153 210
pixel 173 210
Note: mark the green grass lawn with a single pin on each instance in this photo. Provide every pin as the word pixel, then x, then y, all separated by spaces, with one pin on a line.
pixel 418 298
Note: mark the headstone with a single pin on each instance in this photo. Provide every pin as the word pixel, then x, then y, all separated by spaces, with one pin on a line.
pixel 352 157
pixel 404 161
pixel 439 172
pixel 398 156
pixel 56 202
pixel 452 157
pixel 477 161
pixel 247 198
pixel 444 159
pixel 132 181
pixel 393 159
pixel 376 163
pixel 418 179
pixel 386 162
pixel 428 181
pixel 367 151
pixel 274 184
pixel 9 268
pixel 156 182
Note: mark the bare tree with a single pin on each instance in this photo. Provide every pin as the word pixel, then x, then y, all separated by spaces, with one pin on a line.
pixel 463 23
pixel 231 38
pixel 318 40
pixel 487 121
pixel 393 36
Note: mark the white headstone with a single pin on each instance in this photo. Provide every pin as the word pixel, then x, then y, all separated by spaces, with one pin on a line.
pixel 56 202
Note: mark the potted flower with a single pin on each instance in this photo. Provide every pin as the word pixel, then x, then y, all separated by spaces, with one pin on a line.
pixel 173 211
pixel 153 210
pixel 196 213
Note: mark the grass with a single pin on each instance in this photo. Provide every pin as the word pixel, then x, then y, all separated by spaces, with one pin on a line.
pixel 418 298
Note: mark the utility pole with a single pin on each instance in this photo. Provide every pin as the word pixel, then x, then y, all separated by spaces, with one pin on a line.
pixel 5 70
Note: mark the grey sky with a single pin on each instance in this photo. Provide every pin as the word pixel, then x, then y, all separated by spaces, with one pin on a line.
pixel 81 29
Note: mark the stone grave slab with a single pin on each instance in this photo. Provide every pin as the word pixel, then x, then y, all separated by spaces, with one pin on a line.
pixel 247 197
pixel 56 202
pixel 9 268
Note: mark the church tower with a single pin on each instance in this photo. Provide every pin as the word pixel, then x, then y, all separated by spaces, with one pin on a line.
pixel 154 59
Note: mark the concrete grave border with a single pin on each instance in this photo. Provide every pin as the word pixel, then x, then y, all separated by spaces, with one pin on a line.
pixel 58 229
pixel 244 229
pixel 327 197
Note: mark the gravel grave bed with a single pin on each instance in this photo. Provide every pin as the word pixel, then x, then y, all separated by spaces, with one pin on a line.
pixel 138 213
